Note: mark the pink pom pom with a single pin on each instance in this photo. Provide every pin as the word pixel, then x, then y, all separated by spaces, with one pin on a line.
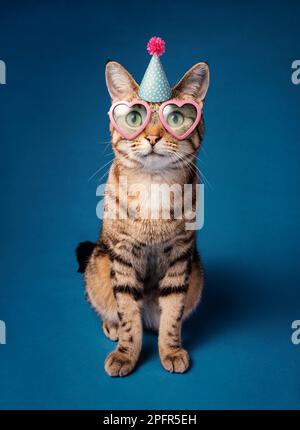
pixel 156 46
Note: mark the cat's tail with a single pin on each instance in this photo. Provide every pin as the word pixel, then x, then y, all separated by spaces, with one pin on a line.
pixel 83 252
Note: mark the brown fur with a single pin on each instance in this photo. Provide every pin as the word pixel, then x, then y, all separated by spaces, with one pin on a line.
pixel 146 270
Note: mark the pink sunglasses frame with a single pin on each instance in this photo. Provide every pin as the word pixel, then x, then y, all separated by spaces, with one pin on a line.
pixel 176 102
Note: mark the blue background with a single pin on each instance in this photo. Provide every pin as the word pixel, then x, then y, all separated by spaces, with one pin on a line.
pixel 54 135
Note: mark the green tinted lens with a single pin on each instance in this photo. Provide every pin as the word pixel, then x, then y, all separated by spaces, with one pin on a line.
pixel 180 119
pixel 134 119
pixel 175 119
pixel 129 119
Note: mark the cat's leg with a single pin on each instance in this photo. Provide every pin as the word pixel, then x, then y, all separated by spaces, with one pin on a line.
pixel 151 310
pixel 128 291
pixel 110 329
pixel 195 288
pixel 172 297
pixel 100 293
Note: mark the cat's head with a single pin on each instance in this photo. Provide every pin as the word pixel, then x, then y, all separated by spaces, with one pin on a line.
pixel 154 148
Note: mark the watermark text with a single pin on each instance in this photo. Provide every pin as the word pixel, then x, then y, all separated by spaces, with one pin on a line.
pixel 296 333
pixel 296 73
pixel 2 72
pixel 155 201
pixel 2 333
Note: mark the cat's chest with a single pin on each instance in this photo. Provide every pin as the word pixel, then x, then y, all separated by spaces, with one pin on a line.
pixel 151 196
pixel 155 266
pixel 142 188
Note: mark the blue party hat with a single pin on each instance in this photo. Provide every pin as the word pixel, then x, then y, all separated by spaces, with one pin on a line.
pixel 155 86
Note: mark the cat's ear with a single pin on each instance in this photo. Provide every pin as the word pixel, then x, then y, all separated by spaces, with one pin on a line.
pixel 120 83
pixel 194 83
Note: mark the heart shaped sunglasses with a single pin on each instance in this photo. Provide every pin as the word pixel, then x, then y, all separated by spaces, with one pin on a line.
pixel 179 117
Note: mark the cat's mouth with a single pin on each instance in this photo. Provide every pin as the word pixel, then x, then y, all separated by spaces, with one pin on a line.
pixel 153 154
pixel 155 161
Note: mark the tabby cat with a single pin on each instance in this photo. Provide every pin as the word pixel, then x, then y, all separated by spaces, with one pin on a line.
pixel 146 271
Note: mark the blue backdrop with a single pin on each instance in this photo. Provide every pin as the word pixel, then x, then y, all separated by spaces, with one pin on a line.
pixel 54 135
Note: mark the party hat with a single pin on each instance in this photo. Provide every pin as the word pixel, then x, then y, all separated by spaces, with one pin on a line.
pixel 155 86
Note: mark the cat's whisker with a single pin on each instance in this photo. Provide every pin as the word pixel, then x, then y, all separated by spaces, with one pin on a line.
pixel 107 146
pixel 104 174
pixel 195 155
pixel 205 179
pixel 99 170
pixel 184 163
pixel 107 172
pixel 193 167
pixel 202 176
pixel 204 151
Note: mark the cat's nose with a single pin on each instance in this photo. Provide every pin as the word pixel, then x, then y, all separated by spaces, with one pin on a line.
pixel 153 139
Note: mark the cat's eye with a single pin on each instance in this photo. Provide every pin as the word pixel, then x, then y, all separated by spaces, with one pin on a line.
pixel 130 119
pixel 175 119
pixel 134 119
pixel 179 119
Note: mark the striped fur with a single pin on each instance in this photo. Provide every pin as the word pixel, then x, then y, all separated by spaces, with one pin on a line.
pixel 147 270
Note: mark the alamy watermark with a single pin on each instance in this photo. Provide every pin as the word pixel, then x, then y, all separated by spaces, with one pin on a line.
pixel 155 201
pixel 296 333
pixel 2 72
pixel 296 73
pixel 2 333
pixel 2 82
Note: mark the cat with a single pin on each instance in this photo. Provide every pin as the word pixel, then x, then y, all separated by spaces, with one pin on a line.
pixel 147 271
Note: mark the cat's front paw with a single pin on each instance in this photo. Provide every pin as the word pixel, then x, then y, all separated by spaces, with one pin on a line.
pixel 118 364
pixel 177 362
